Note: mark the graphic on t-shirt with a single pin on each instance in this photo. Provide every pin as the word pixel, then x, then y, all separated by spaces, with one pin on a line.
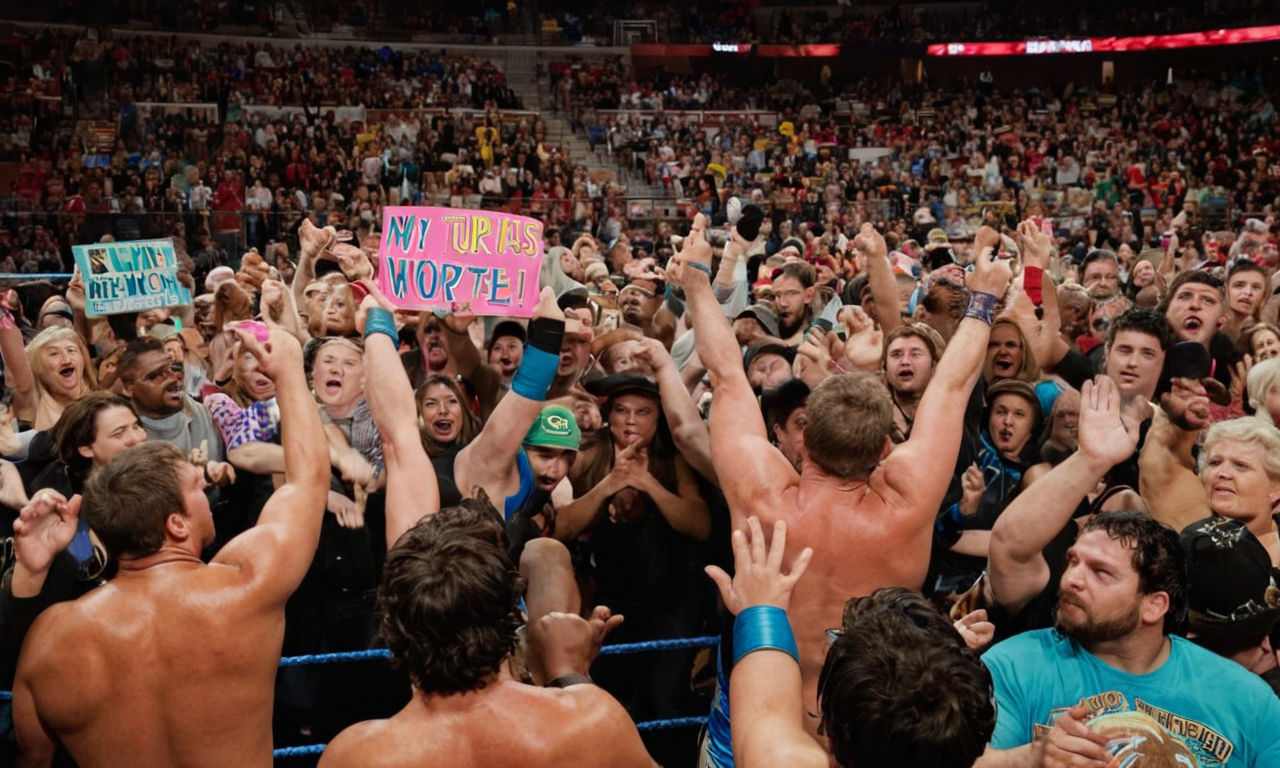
pixel 1146 736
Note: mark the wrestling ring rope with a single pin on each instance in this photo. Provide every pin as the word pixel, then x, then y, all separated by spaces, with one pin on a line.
pixel 618 649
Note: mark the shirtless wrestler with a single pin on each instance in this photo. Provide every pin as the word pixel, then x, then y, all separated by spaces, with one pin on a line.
pixel 866 512
pixel 450 617
pixel 173 662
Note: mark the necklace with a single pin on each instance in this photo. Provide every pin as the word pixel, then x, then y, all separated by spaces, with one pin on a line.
pixel 910 421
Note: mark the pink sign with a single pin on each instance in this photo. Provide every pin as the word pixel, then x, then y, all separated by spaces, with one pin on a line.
pixel 454 258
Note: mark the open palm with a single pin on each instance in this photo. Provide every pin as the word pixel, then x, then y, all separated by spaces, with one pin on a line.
pixel 1103 436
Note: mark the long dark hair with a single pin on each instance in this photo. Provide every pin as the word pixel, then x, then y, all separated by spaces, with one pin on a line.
pixel 470 426
pixel 662 451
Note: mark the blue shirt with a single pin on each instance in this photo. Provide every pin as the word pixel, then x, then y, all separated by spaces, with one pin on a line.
pixel 1220 713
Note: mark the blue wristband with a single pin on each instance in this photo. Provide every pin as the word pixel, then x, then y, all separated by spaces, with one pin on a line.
pixel 700 267
pixel 760 628
pixel 379 320
pixel 537 370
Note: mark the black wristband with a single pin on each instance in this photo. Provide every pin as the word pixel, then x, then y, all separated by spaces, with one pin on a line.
pixel 545 334
pixel 564 681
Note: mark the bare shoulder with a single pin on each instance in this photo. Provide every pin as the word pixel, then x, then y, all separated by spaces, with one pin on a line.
pixel 54 626
pixel 890 483
pixel 65 661
pixel 361 744
pixel 593 709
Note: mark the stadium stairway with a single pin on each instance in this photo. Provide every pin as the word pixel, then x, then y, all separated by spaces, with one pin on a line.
pixel 521 69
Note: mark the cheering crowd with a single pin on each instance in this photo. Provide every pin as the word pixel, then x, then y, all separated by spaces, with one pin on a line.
pixel 983 478
pixel 244 472
pixel 253 152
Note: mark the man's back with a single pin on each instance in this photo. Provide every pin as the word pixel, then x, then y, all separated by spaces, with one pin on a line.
pixel 171 667
pixel 506 723
pixel 862 538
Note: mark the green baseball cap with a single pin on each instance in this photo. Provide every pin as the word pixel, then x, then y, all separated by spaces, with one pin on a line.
pixel 555 427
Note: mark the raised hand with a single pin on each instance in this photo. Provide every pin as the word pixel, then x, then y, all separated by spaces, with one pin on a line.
pixel 1035 245
pixel 1187 404
pixel 972 486
pixel 352 260
pixel 547 306
pixel 75 292
pixel 653 354
pixel 313 240
pixel 758 578
pixel 355 469
pixel 278 354
pixel 271 299
pixel 1104 438
pixel 869 242
pixel 989 275
pixel 220 473
pixel 45 527
pixel 986 237
pixel 816 348
pixel 693 249
pixel 865 343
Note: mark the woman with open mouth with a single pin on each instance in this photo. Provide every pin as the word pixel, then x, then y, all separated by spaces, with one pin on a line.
pixel 1009 354
pixel 48 376
pixel 447 423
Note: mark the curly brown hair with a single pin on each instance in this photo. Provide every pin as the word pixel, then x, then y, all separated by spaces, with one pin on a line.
pixel 899 687
pixel 448 602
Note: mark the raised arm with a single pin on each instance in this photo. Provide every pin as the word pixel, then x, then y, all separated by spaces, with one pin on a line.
pixel 884 289
pixel 687 428
pixel 312 240
pixel 740 447
pixel 765 698
pixel 17 369
pixel 467 360
pixel 278 550
pixel 76 300
pixel 491 457
pixel 1016 562
pixel 412 491
pixel 1042 331
pixel 733 252
pixel 1167 476
pixel 279 311
pixel 939 423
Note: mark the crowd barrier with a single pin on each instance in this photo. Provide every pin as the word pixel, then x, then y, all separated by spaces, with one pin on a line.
pixel 648 646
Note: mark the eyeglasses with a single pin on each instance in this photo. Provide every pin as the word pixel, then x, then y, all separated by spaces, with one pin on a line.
pixel 161 372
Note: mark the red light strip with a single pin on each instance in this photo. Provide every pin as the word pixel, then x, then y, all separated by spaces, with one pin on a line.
pixel 1110 44
pixel 735 49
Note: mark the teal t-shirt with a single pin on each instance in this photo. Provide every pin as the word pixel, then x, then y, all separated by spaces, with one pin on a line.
pixel 1221 713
